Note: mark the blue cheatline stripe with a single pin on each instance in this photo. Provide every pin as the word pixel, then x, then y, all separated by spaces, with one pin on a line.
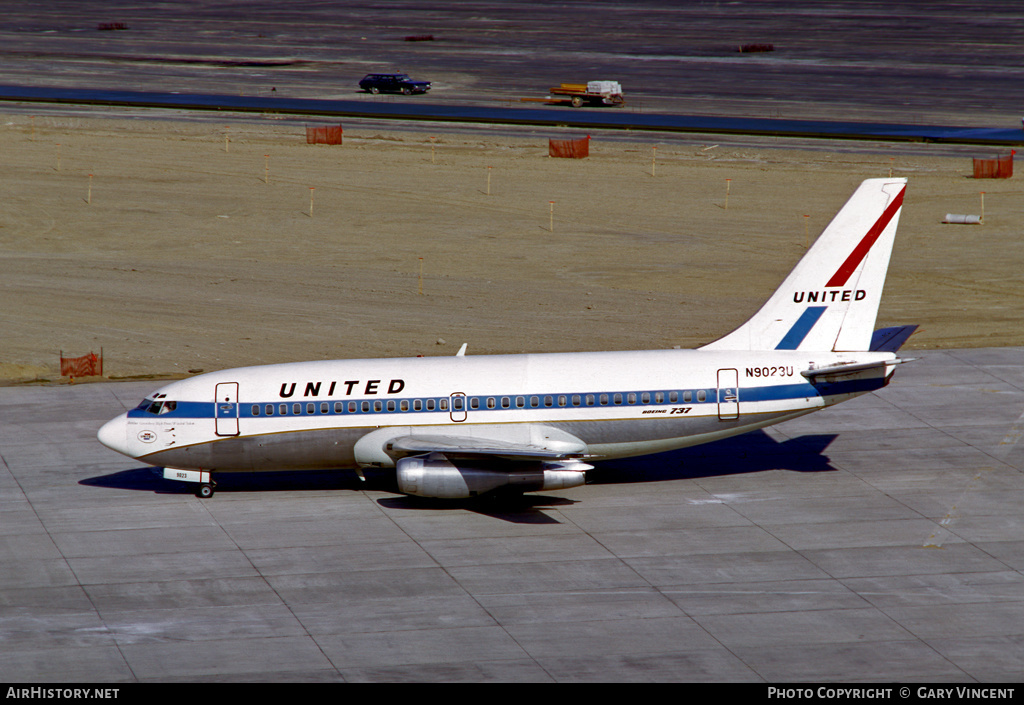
pixel 778 392
pixel 800 329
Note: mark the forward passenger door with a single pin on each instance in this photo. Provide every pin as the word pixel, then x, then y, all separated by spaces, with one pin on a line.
pixel 225 408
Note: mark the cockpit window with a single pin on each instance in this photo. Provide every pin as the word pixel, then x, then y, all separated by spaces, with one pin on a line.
pixel 161 407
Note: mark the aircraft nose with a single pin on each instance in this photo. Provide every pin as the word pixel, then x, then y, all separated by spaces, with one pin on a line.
pixel 114 435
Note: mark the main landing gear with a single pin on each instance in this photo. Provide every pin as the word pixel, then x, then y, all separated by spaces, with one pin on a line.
pixel 205 490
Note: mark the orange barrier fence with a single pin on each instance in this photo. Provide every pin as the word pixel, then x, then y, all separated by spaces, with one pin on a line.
pixel 324 135
pixel 85 366
pixel 998 168
pixel 570 149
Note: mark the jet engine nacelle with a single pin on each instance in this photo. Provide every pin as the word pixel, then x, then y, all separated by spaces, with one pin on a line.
pixel 435 475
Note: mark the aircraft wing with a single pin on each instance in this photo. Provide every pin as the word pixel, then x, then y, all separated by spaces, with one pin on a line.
pixel 464 466
pixel 458 446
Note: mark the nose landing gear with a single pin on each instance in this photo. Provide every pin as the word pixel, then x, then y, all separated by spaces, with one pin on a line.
pixel 205 487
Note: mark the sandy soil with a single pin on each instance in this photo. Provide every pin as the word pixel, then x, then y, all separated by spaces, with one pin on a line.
pixel 178 253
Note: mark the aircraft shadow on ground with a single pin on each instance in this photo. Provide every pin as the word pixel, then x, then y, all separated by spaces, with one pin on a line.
pixel 150 479
pixel 749 453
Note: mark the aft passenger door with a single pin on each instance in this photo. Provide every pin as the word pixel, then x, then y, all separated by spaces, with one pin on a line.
pixel 728 395
pixel 225 408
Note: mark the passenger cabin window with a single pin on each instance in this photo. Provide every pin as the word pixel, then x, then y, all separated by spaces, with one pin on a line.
pixel 458 403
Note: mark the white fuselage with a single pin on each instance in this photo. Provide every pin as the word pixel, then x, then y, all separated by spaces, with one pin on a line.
pixel 314 414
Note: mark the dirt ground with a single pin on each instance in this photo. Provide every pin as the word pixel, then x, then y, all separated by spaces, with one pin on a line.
pixel 182 246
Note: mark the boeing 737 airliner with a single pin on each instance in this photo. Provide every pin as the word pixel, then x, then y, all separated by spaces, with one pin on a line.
pixel 463 426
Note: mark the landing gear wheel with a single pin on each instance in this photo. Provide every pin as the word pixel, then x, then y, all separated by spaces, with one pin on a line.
pixel 204 491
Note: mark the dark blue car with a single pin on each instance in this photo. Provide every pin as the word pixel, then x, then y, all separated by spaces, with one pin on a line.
pixel 392 83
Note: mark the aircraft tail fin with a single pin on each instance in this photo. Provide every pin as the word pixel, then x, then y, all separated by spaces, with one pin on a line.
pixel 830 299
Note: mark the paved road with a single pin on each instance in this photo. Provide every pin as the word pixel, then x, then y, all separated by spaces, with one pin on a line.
pixel 581 120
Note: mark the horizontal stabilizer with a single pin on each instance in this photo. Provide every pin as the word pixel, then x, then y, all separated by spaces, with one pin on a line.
pixel 890 339
pixel 843 370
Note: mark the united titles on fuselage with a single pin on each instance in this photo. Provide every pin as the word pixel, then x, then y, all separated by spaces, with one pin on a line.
pixel 346 388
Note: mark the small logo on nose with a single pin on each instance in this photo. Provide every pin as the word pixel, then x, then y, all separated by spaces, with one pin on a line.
pixel 147 436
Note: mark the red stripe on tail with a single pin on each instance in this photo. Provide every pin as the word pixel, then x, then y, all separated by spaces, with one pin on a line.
pixel 864 246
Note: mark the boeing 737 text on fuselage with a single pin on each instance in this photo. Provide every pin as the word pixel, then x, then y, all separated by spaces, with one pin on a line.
pixel 463 426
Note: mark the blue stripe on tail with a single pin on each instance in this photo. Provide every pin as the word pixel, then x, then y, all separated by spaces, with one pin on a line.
pixel 800 329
